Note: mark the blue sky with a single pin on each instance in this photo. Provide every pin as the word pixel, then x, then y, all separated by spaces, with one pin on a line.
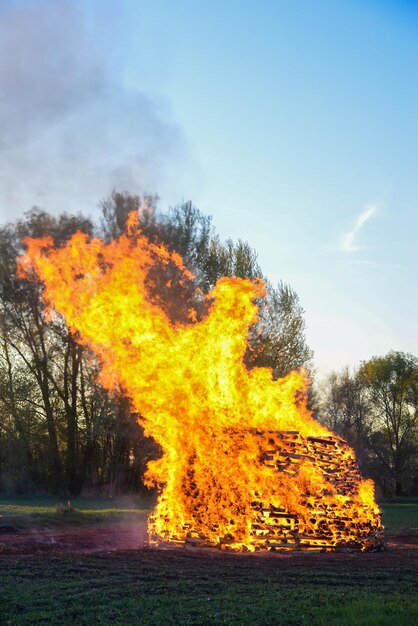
pixel 293 123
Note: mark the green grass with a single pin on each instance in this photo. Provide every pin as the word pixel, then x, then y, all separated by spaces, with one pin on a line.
pixel 44 512
pixel 156 587
pixel 400 518
pixel 48 503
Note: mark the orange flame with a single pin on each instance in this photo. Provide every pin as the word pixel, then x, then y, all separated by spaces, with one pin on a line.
pixel 188 381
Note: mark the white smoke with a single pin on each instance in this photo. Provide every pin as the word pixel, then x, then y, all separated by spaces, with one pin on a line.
pixel 70 130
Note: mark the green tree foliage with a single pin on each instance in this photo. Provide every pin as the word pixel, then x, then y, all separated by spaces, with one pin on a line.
pixel 278 339
pixel 392 385
pixel 376 409
pixel 45 352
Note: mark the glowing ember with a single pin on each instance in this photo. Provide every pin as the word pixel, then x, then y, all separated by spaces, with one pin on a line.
pixel 230 475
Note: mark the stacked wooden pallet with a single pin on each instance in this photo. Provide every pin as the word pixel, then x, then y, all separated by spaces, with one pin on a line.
pixel 327 523
pixel 331 525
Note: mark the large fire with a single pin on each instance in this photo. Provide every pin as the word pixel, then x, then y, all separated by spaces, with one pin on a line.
pixel 244 465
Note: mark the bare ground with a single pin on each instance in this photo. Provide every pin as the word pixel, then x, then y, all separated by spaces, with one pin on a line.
pixel 402 550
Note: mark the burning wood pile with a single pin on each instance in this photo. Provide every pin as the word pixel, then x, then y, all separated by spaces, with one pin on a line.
pixel 331 525
pixel 244 465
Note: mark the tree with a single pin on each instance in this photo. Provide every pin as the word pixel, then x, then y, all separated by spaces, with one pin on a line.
pixel 47 353
pixel 187 231
pixel 376 409
pixel 278 339
pixel 344 407
pixel 115 211
pixel 392 385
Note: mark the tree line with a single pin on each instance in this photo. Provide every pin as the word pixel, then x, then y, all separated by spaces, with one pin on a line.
pixel 60 431
pixel 375 408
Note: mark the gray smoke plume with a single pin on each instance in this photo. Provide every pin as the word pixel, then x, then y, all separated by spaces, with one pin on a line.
pixel 70 130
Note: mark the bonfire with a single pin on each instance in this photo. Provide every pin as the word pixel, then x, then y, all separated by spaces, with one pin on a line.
pixel 244 465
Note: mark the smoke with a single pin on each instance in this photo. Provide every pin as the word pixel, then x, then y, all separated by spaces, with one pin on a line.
pixel 71 129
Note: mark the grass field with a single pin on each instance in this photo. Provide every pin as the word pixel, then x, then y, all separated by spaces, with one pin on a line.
pixel 157 587
pixel 170 588
pixel 44 512
pixel 400 518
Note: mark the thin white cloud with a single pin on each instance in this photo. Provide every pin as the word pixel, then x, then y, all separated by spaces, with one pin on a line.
pixel 348 239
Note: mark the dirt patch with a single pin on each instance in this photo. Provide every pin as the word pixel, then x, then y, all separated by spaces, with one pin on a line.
pixel 74 540
pixel 402 550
